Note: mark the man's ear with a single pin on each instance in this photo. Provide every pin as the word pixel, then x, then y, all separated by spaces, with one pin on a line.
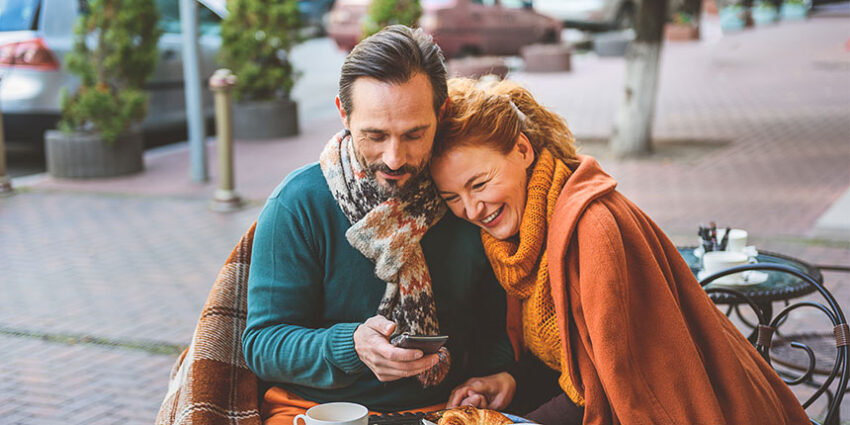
pixel 525 150
pixel 342 114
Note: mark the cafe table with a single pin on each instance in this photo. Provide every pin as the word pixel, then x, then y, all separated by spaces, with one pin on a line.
pixel 416 419
pixel 778 286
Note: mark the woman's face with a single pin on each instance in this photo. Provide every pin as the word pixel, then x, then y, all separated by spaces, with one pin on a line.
pixel 484 186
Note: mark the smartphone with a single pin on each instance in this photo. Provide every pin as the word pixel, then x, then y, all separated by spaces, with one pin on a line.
pixel 429 344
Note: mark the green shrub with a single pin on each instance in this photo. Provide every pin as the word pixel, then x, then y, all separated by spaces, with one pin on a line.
pixel 390 12
pixel 683 18
pixel 256 38
pixel 113 66
pixel 764 4
pixel 684 12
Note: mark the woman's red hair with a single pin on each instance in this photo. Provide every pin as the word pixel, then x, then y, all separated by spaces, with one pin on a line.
pixel 494 114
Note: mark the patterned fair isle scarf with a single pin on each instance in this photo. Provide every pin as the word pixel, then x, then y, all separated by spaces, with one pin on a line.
pixel 388 231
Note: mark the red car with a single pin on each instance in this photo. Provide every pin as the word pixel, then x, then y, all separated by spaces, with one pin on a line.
pixel 460 27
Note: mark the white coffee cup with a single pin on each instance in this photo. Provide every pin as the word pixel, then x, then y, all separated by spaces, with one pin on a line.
pixel 737 239
pixel 337 413
pixel 717 261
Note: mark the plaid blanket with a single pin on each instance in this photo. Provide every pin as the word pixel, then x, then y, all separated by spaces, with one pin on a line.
pixel 210 382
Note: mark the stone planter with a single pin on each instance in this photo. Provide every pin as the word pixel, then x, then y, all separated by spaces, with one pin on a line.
pixel 546 57
pixel 265 120
pixel 613 43
pixel 764 15
pixel 732 18
pixel 477 67
pixel 681 32
pixel 87 155
pixel 793 11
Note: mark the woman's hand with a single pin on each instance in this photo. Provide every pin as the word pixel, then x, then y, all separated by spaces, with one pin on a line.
pixel 388 362
pixel 488 392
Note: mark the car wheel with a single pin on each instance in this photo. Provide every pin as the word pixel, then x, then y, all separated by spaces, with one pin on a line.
pixel 625 17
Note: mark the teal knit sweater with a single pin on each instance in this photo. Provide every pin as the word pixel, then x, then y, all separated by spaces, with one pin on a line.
pixel 308 290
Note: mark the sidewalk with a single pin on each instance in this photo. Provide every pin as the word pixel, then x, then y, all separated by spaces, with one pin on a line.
pixel 102 282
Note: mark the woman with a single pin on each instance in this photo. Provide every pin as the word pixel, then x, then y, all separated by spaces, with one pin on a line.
pixel 597 292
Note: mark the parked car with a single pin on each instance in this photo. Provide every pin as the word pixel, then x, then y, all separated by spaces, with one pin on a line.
pixel 35 35
pixel 590 14
pixel 460 27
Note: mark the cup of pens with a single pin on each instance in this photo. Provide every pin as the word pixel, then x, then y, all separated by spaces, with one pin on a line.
pixel 723 239
pixel 728 239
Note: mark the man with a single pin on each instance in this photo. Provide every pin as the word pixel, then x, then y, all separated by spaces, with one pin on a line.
pixel 357 248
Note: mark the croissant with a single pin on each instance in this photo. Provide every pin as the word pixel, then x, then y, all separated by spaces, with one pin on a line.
pixel 468 415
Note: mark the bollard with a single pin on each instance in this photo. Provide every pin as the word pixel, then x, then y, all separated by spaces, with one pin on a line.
pixel 225 198
pixel 5 182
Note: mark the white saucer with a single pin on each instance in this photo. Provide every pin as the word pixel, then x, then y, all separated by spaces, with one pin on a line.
pixel 749 277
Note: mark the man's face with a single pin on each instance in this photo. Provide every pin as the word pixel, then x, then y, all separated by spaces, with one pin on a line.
pixel 393 127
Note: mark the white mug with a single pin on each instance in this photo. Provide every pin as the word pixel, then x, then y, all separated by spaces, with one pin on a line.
pixel 717 261
pixel 737 239
pixel 337 413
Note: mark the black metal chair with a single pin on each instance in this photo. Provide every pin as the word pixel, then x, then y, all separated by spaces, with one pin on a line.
pixel 767 327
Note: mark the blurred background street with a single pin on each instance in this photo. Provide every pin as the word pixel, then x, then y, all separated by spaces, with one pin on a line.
pixel 102 281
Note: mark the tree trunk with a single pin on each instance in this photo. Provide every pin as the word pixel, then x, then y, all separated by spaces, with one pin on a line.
pixel 632 133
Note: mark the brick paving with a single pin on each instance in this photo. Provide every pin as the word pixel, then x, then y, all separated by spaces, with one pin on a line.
pixel 44 382
pixel 97 277
pixel 111 266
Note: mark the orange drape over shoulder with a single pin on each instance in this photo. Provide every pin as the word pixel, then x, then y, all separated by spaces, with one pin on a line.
pixel 643 342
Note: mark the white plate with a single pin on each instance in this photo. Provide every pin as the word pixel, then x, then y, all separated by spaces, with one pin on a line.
pixel 517 419
pixel 749 277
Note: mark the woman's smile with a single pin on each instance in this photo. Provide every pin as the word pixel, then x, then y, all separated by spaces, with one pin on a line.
pixel 490 220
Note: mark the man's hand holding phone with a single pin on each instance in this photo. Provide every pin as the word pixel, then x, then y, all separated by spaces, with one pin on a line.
pixel 388 362
pixel 429 344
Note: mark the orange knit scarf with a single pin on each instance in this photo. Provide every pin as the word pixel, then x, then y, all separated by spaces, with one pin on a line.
pixel 523 270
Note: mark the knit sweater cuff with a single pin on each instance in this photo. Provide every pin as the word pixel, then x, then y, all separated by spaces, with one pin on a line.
pixel 340 348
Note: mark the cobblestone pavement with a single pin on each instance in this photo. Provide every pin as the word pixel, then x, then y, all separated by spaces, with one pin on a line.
pixel 101 282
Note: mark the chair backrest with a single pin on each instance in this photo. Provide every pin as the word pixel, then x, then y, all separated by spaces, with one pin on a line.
pixel 836 375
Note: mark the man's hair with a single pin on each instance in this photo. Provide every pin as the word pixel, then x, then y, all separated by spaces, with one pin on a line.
pixel 394 55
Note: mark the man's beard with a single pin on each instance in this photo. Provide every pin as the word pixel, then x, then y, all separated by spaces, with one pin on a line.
pixel 391 188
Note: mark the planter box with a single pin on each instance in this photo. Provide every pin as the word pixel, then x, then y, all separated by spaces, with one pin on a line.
pixel 679 32
pixel 477 67
pixel 87 155
pixel 733 19
pixel 613 43
pixel 764 15
pixel 546 57
pixel 265 120
pixel 793 12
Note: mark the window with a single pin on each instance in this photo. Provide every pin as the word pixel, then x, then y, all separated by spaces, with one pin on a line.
pixel 18 15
